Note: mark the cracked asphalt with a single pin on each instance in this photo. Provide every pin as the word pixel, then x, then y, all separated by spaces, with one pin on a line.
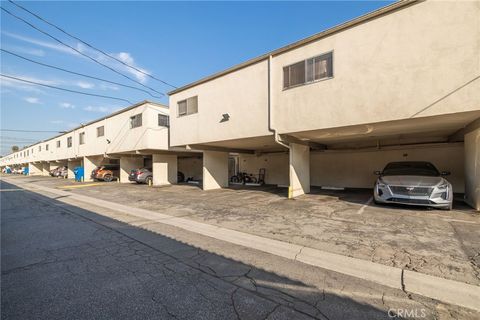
pixel 439 243
pixel 72 261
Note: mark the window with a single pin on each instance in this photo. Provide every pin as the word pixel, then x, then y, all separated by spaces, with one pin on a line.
pixel 163 120
pixel 308 71
pixel 81 138
pixel 188 106
pixel 69 142
pixel 58 143
pixel 46 147
pixel 136 121
pixel 28 152
pixel 39 148
pixel 100 131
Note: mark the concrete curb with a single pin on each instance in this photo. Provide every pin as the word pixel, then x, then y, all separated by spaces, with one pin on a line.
pixel 449 291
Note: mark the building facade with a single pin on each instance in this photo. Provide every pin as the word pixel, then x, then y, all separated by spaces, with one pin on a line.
pixel 400 83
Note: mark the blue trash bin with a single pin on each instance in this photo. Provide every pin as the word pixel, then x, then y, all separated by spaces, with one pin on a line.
pixel 79 174
pixel 26 171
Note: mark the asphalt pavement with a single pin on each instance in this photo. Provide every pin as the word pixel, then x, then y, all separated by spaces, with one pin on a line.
pixel 61 261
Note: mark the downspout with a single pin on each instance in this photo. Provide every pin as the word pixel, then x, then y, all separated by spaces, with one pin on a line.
pixel 269 101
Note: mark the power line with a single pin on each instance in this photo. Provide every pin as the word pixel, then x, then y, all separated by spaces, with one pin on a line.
pixel 63 89
pixel 77 73
pixel 78 51
pixel 91 46
pixel 19 130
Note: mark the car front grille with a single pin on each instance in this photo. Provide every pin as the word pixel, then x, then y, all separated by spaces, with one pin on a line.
pixel 411 191
pixel 412 201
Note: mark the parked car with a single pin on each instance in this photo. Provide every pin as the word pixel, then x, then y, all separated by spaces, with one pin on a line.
pixel 413 183
pixel 107 173
pixel 145 175
pixel 141 175
pixel 62 172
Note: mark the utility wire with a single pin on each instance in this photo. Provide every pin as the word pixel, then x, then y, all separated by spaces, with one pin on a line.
pixel 77 73
pixel 68 90
pixel 18 130
pixel 78 51
pixel 91 46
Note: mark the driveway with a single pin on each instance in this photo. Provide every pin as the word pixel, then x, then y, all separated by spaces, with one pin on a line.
pixel 440 243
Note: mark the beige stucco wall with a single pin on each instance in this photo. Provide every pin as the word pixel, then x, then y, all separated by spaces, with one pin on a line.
pixel 472 168
pixel 117 130
pixel 387 69
pixel 191 167
pixel 354 169
pixel 242 94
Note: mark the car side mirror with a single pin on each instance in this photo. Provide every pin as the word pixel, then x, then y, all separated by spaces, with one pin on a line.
pixel 377 173
pixel 445 173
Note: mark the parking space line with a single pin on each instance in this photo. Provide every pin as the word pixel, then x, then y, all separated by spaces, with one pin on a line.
pixel 360 211
pixel 80 186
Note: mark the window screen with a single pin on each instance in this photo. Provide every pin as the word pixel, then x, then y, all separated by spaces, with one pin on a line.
pixel 58 144
pixel 81 138
pixel 163 120
pixel 136 121
pixel 69 142
pixel 307 71
pixel 188 106
pixel 100 131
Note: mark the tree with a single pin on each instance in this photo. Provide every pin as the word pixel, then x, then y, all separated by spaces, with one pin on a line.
pixel 15 148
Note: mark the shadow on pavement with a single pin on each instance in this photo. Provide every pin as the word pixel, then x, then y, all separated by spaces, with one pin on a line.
pixel 61 261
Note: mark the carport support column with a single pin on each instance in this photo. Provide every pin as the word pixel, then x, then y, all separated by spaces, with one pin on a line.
pixel 299 170
pixel 127 164
pixel 165 169
pixel 46 169
pixel 89 164
pixel 472 167
pixel 34 169
pixel 71 165
pixel 215 170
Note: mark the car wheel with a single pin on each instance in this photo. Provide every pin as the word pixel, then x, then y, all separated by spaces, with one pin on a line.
pixel 149 180
pixel 107 178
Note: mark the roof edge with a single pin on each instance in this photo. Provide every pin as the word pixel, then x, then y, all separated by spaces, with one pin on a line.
pixel 338 28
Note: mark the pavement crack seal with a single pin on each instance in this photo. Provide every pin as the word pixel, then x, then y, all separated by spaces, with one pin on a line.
pixel 402 279
pixel 299 252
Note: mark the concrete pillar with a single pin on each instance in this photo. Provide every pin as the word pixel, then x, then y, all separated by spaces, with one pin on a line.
pixel 71 164
pixel 46 169
pixel 127 164
pixel 164 168
pixel 299 171
pixel 215 170
pixel 89 164
pixel 472 168
pixel 35 169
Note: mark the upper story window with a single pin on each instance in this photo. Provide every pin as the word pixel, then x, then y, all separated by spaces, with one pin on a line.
pixel 46 147
pixel 28 152
pixel 308 71
pixel 69 142
pixel 136 121
pixel 58 144
pixel 188 106
pixel 39 148
pixel 163 120
pixel 81 138
pixel 100 131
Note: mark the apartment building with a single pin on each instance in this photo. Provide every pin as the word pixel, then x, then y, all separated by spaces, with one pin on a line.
pixel 133 137
pixel 400 83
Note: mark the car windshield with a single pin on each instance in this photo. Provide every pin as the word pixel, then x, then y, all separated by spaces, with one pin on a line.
pixel 410 169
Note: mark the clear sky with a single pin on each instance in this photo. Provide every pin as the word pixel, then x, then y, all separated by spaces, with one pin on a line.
pixel 178 42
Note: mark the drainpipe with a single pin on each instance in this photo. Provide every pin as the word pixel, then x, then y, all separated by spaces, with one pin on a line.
pixel 275 133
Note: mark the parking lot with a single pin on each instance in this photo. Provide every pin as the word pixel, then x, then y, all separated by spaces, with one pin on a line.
pixel 440 243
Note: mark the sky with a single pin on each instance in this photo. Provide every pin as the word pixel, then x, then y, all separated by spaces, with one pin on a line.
pixel 176 42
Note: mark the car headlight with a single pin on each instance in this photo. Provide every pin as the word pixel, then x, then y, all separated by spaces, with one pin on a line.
pixel 443 186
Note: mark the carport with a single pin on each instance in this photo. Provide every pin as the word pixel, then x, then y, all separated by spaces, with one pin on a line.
pixel 164 164
pixel 346 157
